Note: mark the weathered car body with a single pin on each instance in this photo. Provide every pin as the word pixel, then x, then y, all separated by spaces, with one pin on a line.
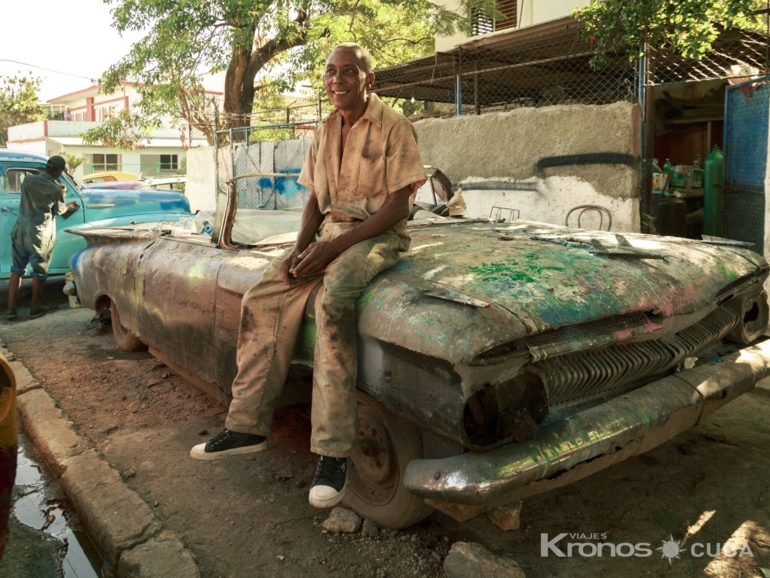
pixel 99 207
pixel 523 355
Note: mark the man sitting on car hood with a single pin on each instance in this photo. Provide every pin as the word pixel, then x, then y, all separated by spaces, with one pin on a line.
pixel 362 171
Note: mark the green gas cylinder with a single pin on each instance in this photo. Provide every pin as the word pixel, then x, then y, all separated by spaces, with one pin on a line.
pixel 713 197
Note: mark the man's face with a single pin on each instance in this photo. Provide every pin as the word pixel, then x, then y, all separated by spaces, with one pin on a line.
pixel 345 79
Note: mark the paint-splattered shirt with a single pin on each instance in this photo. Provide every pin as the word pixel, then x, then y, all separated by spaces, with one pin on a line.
pixel 380 158
pixel 41 200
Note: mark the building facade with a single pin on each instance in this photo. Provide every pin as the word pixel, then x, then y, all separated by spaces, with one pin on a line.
pixel 511 14
pixel 163 153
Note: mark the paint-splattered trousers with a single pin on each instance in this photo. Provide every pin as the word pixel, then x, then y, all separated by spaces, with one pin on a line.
pixel 271 315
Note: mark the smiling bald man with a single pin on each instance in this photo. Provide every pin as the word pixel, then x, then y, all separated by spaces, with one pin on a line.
pixel 362 172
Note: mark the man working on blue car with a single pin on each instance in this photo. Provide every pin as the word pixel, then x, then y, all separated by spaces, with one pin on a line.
pixel 362 171
pixel 34 233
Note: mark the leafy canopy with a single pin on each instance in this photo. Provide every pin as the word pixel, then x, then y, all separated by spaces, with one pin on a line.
pixel 687 27
pixel 73 160
pixel 19 103
pixel 283 42
pixel 126 131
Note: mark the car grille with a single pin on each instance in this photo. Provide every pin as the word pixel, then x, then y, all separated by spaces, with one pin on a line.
pixel 578 377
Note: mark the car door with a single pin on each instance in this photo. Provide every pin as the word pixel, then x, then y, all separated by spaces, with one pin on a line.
pixel 10 194
pixel 67 243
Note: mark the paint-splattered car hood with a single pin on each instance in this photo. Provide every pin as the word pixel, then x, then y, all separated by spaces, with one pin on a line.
pixel 548 277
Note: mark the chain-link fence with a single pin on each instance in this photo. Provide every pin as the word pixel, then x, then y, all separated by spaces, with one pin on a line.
pixel 549 64
pixel 541 65
pixel 271 152
pixel 736 54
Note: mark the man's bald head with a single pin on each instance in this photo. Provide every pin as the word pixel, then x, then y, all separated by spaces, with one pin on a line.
pixel 361 53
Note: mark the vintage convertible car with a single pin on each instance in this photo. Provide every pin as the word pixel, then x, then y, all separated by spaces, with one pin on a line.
pixel 496 360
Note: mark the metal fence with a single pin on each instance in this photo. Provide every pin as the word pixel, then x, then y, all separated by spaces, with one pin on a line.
pixel 736 54
pixel 746 135
pixel 542 65
pixel 549 64
pixel 273 153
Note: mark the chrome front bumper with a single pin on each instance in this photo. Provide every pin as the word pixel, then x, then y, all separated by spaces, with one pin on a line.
pixel 588 441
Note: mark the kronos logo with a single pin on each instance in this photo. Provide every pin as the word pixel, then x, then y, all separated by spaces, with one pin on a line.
pixel 669 549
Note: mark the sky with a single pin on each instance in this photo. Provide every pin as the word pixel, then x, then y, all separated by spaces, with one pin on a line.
pixel 72 37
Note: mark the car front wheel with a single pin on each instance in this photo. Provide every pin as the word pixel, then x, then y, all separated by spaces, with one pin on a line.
pixel 386 444
pixel 124 339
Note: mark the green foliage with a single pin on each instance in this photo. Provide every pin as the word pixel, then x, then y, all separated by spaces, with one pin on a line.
pixel 124 132
pixel 281 42
pixel 18 103
pixel 687 27
pixel 73 160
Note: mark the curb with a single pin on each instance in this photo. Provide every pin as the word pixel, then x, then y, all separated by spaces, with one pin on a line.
pixel 126 531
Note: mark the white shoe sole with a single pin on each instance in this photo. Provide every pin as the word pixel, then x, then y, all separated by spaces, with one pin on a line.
pixel 321 502
pixel 199 452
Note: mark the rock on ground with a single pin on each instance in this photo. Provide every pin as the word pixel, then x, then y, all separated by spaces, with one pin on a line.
pixel 164 557
pixel 370 529
pixel 506 517
pixel 472 560
pixel 342 521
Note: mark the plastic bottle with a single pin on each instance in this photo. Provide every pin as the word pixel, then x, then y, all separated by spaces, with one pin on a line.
pixel 713 199
pixel 696 162
pixel 667 168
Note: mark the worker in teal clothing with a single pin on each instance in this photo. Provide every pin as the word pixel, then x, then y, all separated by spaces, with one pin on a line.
pixel 33 235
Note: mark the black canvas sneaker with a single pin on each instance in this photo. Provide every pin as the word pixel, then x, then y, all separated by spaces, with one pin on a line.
pixel 228 443
pixel 330 482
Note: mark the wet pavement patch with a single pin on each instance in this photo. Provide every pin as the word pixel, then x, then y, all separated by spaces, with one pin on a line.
pixel 43 541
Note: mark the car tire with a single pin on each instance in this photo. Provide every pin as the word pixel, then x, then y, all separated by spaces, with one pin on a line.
pixel 124 339
pixel 375 489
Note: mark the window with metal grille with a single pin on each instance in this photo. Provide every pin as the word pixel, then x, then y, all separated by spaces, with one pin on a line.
pixel 105 162
pixel 169 162
pixel 483 23
pixel 508 10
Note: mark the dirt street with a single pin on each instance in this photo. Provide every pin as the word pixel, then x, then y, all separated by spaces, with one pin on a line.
pixel 249 516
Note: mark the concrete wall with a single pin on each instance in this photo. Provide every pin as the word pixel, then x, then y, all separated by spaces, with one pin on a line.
pixel 201 185
pixel 542 161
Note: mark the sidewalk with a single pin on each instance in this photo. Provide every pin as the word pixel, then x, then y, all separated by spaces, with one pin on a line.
pixel 129 535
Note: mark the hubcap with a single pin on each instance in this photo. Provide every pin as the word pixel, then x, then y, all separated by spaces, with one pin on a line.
pixel 374 471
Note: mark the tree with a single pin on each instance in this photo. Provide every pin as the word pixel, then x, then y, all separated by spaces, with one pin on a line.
pixel 247 38
pixel 18 103
pixel 73 160
pixel 687 27
pixel 124 132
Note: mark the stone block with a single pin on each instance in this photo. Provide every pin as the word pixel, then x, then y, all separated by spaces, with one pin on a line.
pixel 116 517
pixel 24 379
pixel 472 560
pixel 342 521
pixel 506 517
pixel 49 429
pixel 161 557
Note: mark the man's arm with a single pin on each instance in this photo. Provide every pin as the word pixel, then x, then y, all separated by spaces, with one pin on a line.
pixel 60 207
pixel 308 227
pixel 316 256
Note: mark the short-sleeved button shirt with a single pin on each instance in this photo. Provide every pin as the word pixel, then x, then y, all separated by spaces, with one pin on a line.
pixel 41 200
pixel 380 158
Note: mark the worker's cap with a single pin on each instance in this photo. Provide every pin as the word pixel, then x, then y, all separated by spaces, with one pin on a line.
pixel 56 163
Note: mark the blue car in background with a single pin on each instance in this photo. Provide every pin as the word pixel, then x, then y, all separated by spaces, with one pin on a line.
pixel 99 207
